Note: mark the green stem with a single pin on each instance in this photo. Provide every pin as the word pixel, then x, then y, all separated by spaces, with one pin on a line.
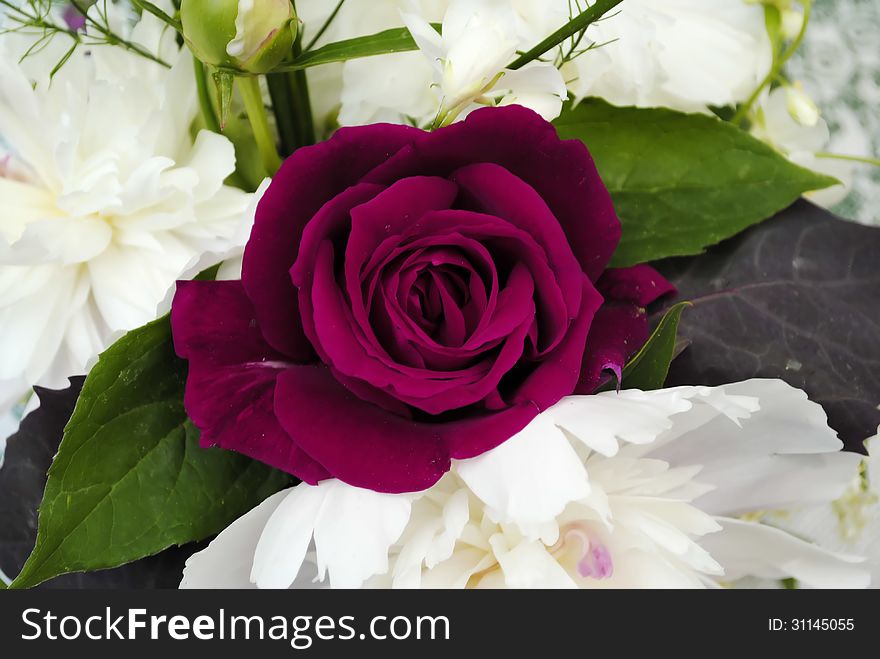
pixel 840 156
pixel 249 86
pixel 302 104
pixel 775 70
pixel 206 105
pixel 281 92
pixel 580 22
pixel 302 108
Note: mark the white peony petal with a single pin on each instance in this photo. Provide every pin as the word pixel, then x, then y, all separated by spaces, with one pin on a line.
pixel 683 54
pixel 285 538
pixel 781 455
pixel 352 529
pixel 530 478
pixel 751 549
pixel 110 199
pixel 601 422
pixel 228 560
pixel 525 565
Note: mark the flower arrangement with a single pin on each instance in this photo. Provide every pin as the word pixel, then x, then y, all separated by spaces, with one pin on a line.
pixel 436 293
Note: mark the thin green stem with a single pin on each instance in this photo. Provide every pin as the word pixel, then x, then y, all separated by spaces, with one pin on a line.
pixel 775 69
pixel 249 86
pixel 281 91
pixel 580 22
pixel 291 104
pixel 150 8
pixel 302 108
pixel 302 103
pixel 840 156
pixel 206 105
pixel 326 25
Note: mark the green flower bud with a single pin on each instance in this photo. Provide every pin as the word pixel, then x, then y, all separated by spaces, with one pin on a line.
pixel 248 35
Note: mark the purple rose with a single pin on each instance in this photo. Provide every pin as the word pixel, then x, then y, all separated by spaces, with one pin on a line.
pixel 408 298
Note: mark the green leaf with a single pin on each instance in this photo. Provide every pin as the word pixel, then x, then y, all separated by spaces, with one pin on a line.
pixel 149 7
pixel 223 81
pixel 395 40
pixel 681 182
pixel 130 479
pixel 648 369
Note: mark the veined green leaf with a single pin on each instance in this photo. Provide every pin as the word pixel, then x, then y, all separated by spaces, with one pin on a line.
pixel 681 182
pixel 130 479
pixel 395 40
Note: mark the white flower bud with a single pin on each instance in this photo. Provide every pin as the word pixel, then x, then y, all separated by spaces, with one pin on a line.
pixel 800 106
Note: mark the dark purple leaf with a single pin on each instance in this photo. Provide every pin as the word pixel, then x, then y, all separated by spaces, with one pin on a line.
pixel 798 298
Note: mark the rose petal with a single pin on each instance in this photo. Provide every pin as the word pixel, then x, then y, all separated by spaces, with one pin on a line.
pixel 561 172
pixel 495 191
pixel 359 443
pixel 620 328
pixel 368 447
pixel 305 182
pixel 640 284
pixel 558 373
pixel 230 387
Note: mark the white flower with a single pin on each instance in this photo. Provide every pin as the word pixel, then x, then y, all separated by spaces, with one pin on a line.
pixel 479 39
pixel 105 198
pixel 850 524
pixel 682 54
pixel 464 65
pixel 388 88
pixel 637 489
pixel 787 119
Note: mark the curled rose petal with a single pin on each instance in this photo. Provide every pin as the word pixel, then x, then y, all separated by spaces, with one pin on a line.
pixel 306 181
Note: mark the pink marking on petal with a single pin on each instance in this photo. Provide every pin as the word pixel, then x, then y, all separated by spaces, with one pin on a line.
pixel 595 560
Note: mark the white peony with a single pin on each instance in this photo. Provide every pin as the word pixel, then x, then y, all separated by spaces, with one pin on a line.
pixel 106 198
pixel 636 489
pixel 682 54
pixel 850 524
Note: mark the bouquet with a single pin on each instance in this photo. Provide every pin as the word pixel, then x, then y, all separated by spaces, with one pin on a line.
pixel 438 293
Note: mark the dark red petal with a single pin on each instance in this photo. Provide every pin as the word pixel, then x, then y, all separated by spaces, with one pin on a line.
pixel 356 441
pixel 230 387
pixel 561 172
pixel 640 284
pixel 367 446
pixel 306 181
pixel 619 330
